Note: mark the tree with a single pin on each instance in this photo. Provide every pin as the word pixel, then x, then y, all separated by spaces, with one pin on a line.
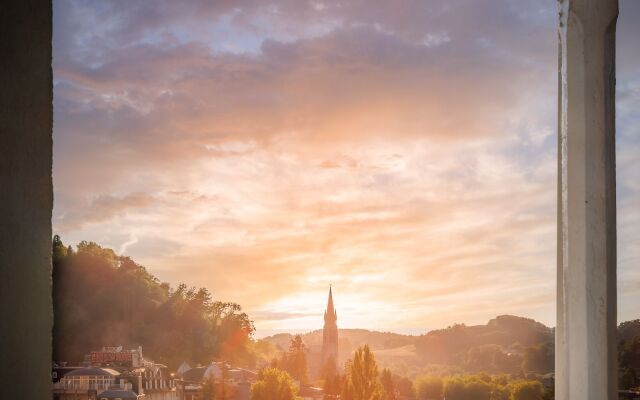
pixel 627 378
pixel 527 390
pixel 362 377
pixel 549 392
pixel 273 384
pixel 491 358
pixel 295 360
pixel 467 388
pixel 477 389
pixel 333 386
pixel 263 351
pixel 59 251
pixel 101 298
pixel 629 353
pixel 403 385
pixel 539 358
pixel 499 392
pixel 454 389
pixel 429 388
pixel 386 379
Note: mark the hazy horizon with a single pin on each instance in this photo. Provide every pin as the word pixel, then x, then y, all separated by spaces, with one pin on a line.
pixel 404 152
pixel 411 331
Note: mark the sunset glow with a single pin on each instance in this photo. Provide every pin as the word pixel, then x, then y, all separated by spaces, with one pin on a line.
pixel 403 152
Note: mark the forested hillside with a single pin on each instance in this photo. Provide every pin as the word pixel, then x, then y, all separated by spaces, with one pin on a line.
pixel 350 339
pixel 101 298
pixel 506 344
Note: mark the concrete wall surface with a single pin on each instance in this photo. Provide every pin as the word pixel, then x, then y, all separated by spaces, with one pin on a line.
pixel 26 199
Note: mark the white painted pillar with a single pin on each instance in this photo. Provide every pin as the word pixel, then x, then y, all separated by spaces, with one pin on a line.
pixel 586 362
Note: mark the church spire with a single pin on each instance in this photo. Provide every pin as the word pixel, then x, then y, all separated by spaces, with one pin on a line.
pixel 330 314
pixel 330 333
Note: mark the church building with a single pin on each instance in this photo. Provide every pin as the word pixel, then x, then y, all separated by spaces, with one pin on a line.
pixel 330 333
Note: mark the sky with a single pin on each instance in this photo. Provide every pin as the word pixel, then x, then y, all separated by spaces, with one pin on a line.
pixel 403 152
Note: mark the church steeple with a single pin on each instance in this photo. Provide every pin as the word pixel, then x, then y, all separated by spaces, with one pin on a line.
pixel 330 333
pixel 330 314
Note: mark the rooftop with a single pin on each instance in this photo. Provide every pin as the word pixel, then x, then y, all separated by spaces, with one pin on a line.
pixel 93 371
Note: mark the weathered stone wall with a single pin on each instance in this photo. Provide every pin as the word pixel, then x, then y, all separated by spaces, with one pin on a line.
pixel 26 199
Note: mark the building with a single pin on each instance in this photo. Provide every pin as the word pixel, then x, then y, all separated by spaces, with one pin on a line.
pixel 146 377
pixel 114 369
pixel 330 333
pixel 237 381
pixel 120 394
pixel 190 382
pixel 85 383
pixel 58 371
pixel 157 382
pixel 117 357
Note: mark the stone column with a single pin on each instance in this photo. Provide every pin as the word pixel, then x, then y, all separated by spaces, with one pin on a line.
pixel 586 364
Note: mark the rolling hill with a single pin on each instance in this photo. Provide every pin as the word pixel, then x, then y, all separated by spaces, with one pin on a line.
pixel 502 345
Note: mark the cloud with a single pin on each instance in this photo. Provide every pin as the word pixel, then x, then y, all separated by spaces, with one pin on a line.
pixel 133 239
pixel 403 152
pixel 101 209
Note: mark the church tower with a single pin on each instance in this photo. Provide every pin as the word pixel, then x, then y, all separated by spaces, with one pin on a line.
pixel 330 333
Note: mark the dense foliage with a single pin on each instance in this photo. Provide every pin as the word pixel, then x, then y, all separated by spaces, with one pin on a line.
pixel 388 385
pixel 361 378
pixel 629 354
pixel 103 299
pixel 429 387
pixel 507 344
pixel 273 384
pixel 294 361
pixel 478 387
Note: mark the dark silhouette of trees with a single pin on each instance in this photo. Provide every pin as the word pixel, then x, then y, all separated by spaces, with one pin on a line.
pixel 102 299
pixel 629 354
pixel 629 363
